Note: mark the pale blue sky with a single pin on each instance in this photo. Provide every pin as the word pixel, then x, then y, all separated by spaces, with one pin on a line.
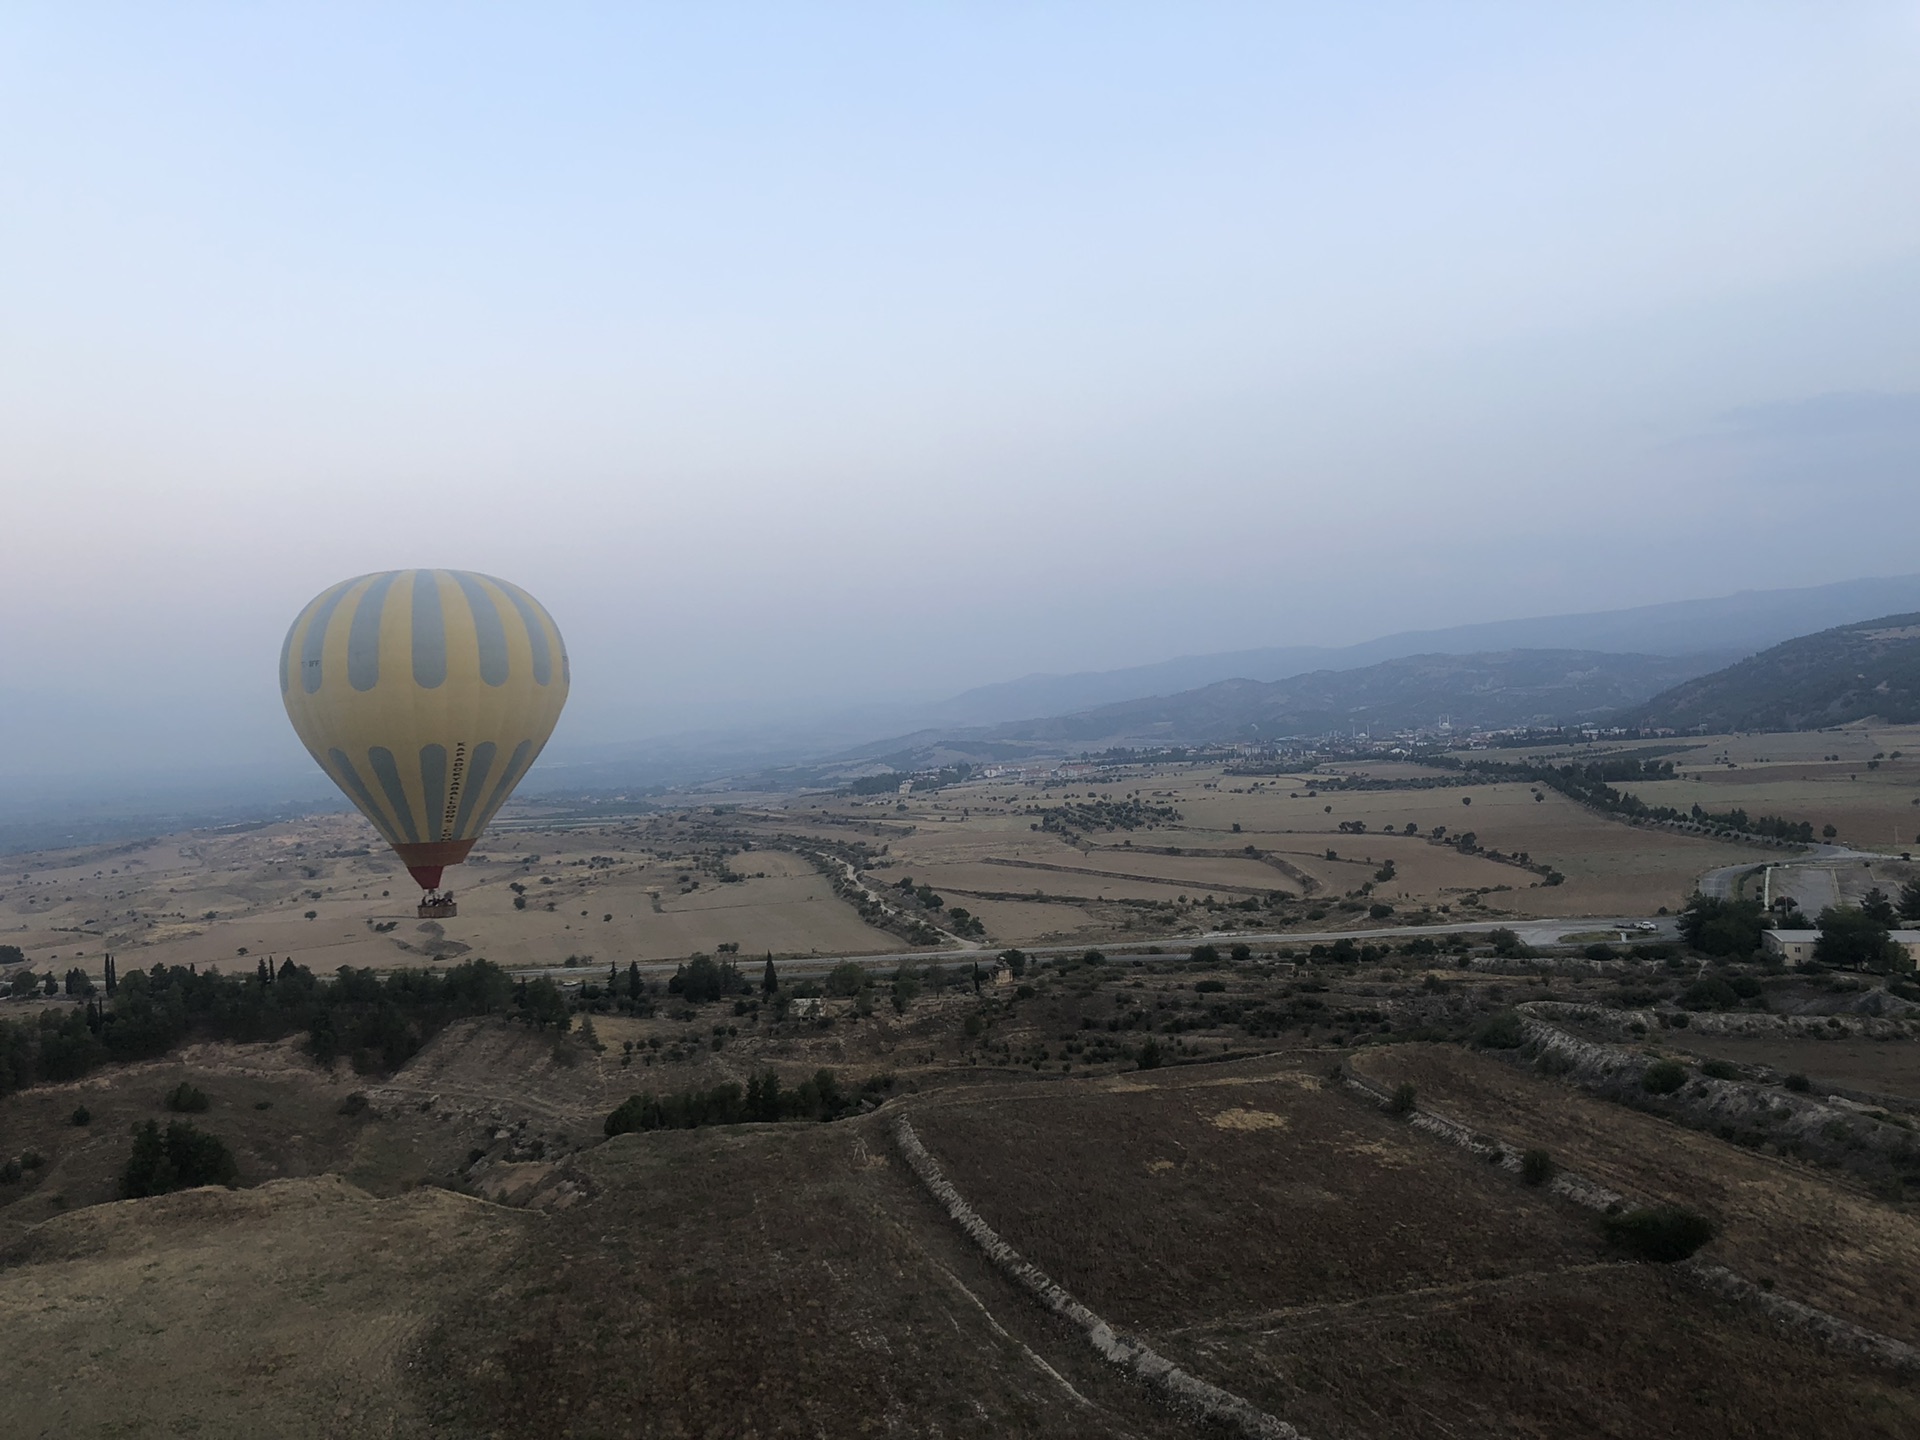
pixel 797 356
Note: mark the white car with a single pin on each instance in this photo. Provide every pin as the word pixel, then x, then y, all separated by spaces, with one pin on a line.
pixel 1645 925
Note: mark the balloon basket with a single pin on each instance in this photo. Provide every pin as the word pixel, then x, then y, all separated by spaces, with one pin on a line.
pixel 438 907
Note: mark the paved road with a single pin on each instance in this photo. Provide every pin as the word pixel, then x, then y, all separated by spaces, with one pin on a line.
pixel 1533 932
pixel 1719 884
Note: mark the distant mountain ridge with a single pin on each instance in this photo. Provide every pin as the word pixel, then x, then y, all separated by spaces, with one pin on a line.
pixel 1870 669
pixel 1730 624
pixel 1496 690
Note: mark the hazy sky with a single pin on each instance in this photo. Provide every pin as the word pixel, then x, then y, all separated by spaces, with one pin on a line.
pixel 803 355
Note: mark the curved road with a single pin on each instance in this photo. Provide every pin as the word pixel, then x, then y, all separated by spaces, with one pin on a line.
pixel 1719 884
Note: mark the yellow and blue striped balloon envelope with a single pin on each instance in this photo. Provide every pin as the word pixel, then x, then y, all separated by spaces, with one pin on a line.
pixel 425 695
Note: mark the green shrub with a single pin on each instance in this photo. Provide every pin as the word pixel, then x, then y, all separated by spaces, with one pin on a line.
pixel 1663 1077
pixel 1209 987
pixel 82 1115
pixel 1499 1032
pixel 1537 1167
pixel 1402 1100
pixel 1719 1069
pixel 847 978
pixel 1662 1234
pixel 354 1104
pixel 1150 1054
pixel 180 1159
pixel 186 1099
pixel 1711 993
pixel 1204 955
pixel 1797 1083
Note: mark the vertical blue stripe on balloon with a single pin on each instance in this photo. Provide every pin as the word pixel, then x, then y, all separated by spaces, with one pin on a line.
pixel 363 640
pixel 286 654
pixel 349 780
pixel 429 632
pixel 487 628
pixel 388 774
pixel 536 635
pixel 471 788
pixel 510 777
pixel 433 780
pixel 314 645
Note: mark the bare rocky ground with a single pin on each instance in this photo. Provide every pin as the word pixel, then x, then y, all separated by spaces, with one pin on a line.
pixel 465 1254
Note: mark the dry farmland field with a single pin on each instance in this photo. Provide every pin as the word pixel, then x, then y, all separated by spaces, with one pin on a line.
pixel 432 1231
pixel 1138 853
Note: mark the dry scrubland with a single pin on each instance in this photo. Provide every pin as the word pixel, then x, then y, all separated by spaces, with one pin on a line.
pixel 465 1255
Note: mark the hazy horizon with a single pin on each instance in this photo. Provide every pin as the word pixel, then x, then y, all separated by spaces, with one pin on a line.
pixel 802 362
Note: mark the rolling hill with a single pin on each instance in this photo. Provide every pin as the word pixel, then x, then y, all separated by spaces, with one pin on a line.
pixel 1486 691
pixel 1851 672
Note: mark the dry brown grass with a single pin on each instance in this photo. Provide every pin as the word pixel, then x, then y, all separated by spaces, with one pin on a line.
pixel 1154 1199
pixel 289 1310
pixel 1817 1236
pixel 1883 1067
pixel 765 1281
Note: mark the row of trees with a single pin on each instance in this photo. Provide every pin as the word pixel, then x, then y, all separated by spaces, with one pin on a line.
pixel 1852 937
pixel 375 1022
pixel 764 1100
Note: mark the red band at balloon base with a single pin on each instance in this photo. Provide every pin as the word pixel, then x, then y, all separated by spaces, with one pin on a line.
pixel 425 862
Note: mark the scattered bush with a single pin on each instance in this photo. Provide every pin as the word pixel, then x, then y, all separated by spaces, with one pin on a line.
pixel 354 1104
pixel 1537 1167
pixel 1663 1077
pixel 185 1099
pixel 32 1159
pixel 1662 1234
pixel 1402 1100
pixel 1719 1069
pixel 1204 955
pixel 1209 987
pixel 82 1115
pixel 1798 1083
pixel 1150 1054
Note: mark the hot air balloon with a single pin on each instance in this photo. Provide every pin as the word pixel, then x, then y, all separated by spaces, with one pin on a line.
pixel 425 695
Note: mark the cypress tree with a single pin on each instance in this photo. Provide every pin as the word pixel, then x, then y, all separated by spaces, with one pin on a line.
pixel 633 980
pixel 769 978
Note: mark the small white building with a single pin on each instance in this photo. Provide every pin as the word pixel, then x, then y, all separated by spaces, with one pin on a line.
pixel 1794 946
